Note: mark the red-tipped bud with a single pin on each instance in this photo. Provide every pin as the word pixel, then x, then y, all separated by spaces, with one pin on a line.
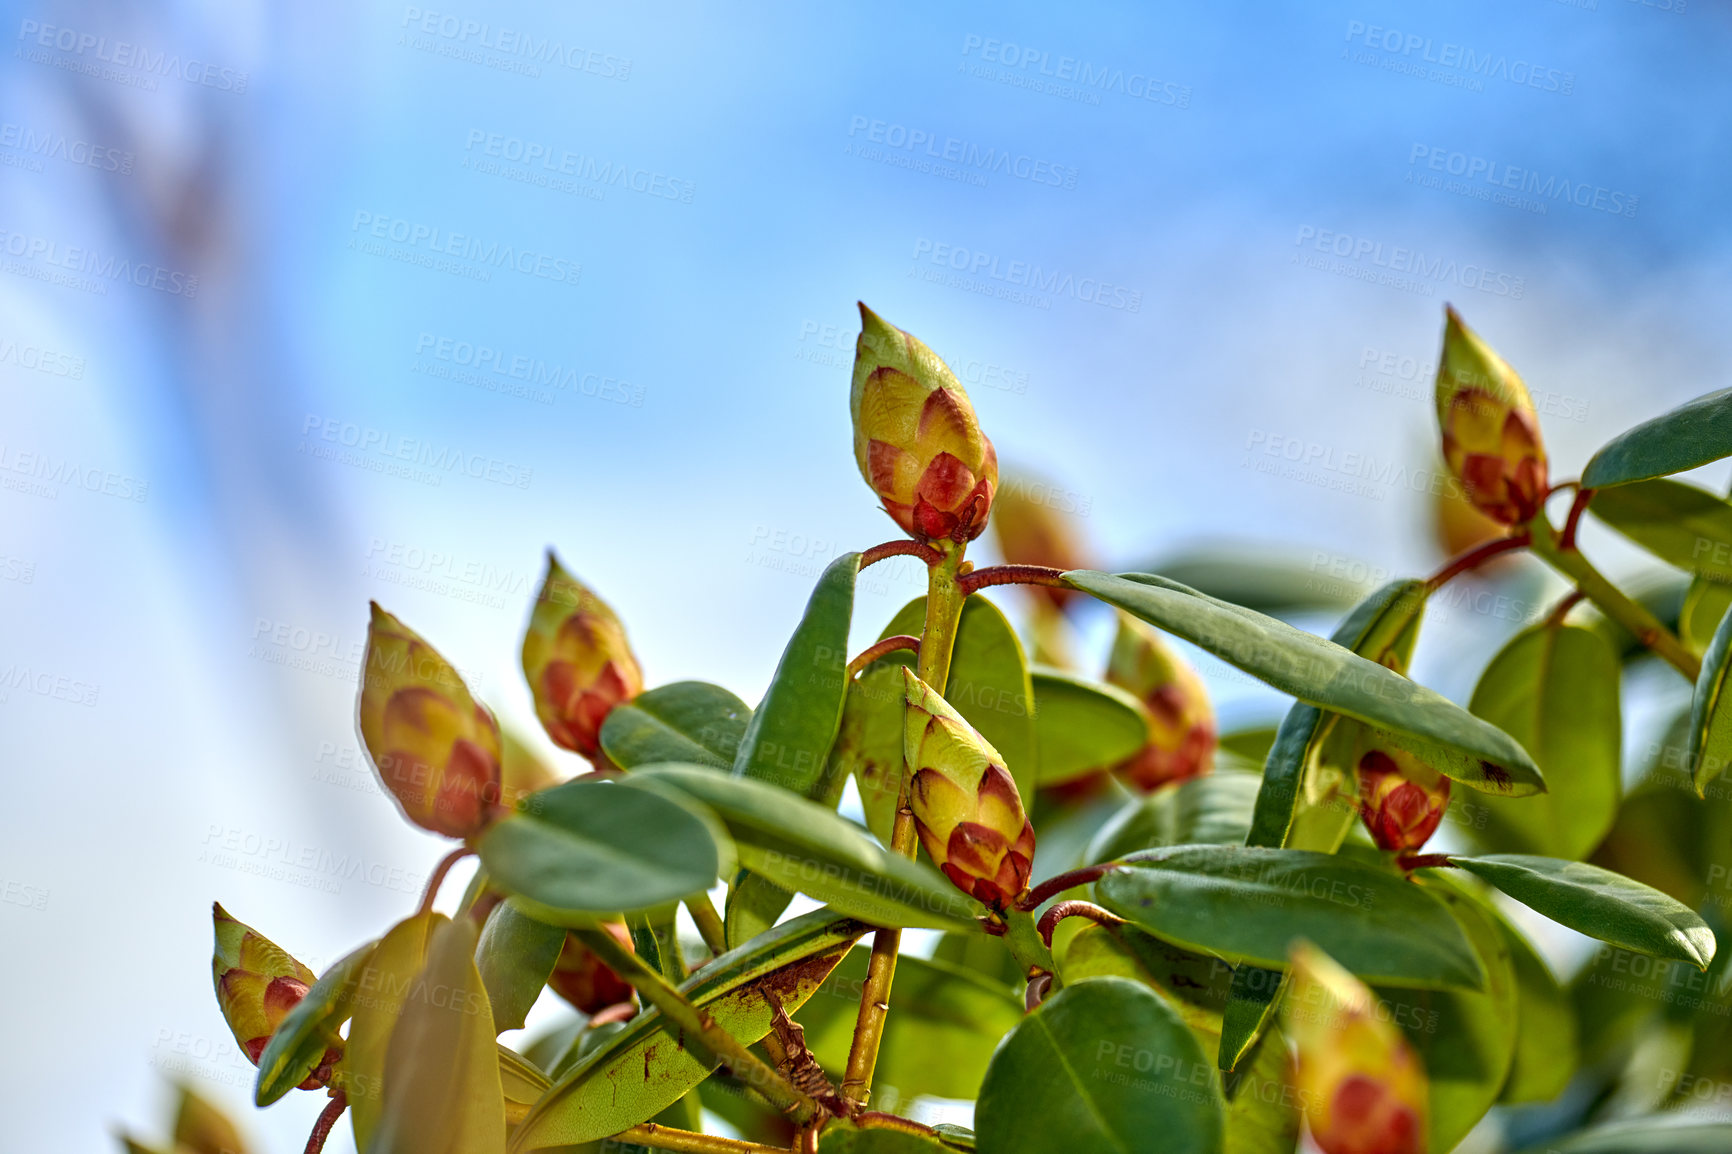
pixel 1401 799
pixel 257 984
pixel 1182 726
pixel 916 438
pixel 577 661
pixel 584 980
pixel 434 746
pixel 966 807
pixel 1491 434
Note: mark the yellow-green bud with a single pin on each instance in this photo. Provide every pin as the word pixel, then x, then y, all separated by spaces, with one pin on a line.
pixel 966 807
pixel 916 438
pixel 1182 726
pixel 1361 1085
pixel 434 746
pixel 1491 435
pixel 257 984
pixel 577 661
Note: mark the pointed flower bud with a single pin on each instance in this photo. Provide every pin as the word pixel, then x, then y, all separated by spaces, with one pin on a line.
pixel 584 980
pixel 916 438
pixel 1361 1085
pixel 1033 530
pixel 966 808
pixel 257 984
pixel 1401 799
pixel 1182 729
pixel 1491 435
pixel 577 661
pixel 434 746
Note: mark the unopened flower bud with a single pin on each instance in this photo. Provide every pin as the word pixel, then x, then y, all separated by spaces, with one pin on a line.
pixel 1361 1085
pixel 257 984
pixel 584 980
pixel 1491 434
pixel 1032 529
pixel 1182 726
pixel 434 746
pixel 966 807
pixel 577 661
pixel 1401 799
pixel 916 438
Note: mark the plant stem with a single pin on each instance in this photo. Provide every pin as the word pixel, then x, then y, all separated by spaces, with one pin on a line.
pixel 709 923
pixel 1074 909
pixel 1024 941
pixel 879 649
pixel 685 1141
pixel 1613 602
pixel 327 1120
pixel 1474 558
pixel 899 549
pixel 656 990
pixel 437 877
pixel 1014 575
pixel 1059 883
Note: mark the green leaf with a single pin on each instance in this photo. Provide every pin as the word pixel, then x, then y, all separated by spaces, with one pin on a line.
pixel 1705 605
pixel 443 1092
pixel 591 847
pixel 644 1068
pixel 1262 1102
pixel 1709 744
pixel 1326 675
pixel 843 1138
pixel 1248 745
pixel 754 903
pixel 1261 578
pixel 1681 524
pixel 1082 725
pixel 1546 1051
pixel 310 1028
pixel 521 1080
pixel 385 981
pixel 1211 810
pixel 1248 904
pixel 807 847
pixel 516 955
pixel 690 721
pixel 788 739
pixel 1600 904
pixel 869 745
pixel 1642 1136
pixel 1103 1067
pixel 655 938
pixel 1555 688
pixel 1689 436
pixel 944 1024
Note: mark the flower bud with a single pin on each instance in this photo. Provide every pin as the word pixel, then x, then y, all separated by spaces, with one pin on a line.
pixel 966 808
pixel 1182 722
pixel 1401 799
pixel 1360 1084
pixel 257 984
pixel 434 746
pixel 916 438
pixel 1491 435
pixel 584 980
pixel 577 661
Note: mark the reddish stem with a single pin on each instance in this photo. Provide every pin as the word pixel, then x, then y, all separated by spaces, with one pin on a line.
pixel 1567 539
pixel 438 877
pixel 1039 984
pixel 1059 883
pixel 874 652
pixel 1562 610
pixel 1424 861
pixel 1074 909
pixel 900 549
pixel 326 1121
pixel 1474 558
pixel 1011 575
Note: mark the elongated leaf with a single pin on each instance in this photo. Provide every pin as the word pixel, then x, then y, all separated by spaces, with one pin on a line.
pixel 1269 580
pixel 1600 904
pixel 1681 524
pixel 1705 605
pixel 310 1028
pixel 516 955
pixel 787 742
pixel 1248 904
pixel 1642 1136
pixel 1546 1051
pixel 801 845
pixel 754 904
pixel 1555 689
pixel 590 847
pixel 1324 674
pixel 385 981
pixel 521 1081
pixel 869 745
pixel 1210 810
pixel 1709 742
pixel 1103 1067
pixel 655 938
pixel 690 721
pixel 1689 436
pixel 1083 725
pixel 645 1067
pixel 443 1093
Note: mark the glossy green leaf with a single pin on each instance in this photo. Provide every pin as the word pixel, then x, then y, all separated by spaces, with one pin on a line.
pixel 1081 725
pixel 787 742
pixel 655 938
pixel 1600 904
pixel 386 979
pixel 1555 689
pixel 1689 436
pixel 1642 1136
pixel 516 955
pixel 843 1138
pixel 1249 1011
pixel 1248 745
pixel 807 847
pixel 1709 743
pixel 1705 605
pixel 310 1028
pixel 591 847
pixel 1247 904
pixel 691 721
pixel 1211 810
pixel 869 744
pixel 644 1068
pixel 521 1080
pixel 1681 524
pixel 1262 1103
pixel 754 903
pixel 1267 579
pixel 1102 1067
pixel 942 1029
pixel 442 1089
pixel 1546 1051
